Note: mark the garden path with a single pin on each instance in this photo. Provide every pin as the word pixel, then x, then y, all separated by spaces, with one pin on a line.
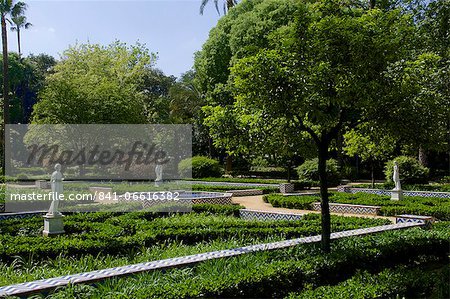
pixel 257 203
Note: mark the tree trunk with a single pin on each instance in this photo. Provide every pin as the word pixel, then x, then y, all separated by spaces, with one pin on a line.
pixel 372 4
pixel 339 150
pixel 18 41
pixel 325 207
pixel 229 164
pixel 372 174
pixel 289 170
pixel 5 86
pixel 423 157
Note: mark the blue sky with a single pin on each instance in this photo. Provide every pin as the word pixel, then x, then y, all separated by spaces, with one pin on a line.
pixel 173 28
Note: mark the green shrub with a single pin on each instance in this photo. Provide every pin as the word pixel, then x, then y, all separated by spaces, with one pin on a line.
pixel 274 274
pixel 200 167
pixel 291 202
pixel 411 171
pixel 401 282
pixel 416 205
pixel 308 171
pixel 94 233
pixel 22 177
pixel 445 180
pixel 227 210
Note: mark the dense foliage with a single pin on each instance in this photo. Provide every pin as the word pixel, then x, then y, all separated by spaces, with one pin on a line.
pixel 105 233
pixel 199 167
pixel 404 282
pixel 411 171
pixel 308 171
pixel 274 274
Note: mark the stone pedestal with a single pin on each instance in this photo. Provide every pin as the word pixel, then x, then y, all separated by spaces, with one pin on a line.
pixel 158 183
pixel 53 225
pixel 396 194
pixel 42 184
pixel 287 188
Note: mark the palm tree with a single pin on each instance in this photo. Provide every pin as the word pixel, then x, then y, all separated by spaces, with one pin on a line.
pixel 19 20
pixel 5 9
pixel 226 6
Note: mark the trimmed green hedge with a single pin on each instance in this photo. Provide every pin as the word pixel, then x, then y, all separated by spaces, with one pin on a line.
pixel 436 207
pixel 401 282
pixel 414 187
pixel 275 274
pixel 103 233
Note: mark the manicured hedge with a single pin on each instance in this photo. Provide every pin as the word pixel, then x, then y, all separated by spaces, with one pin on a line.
pixel 442 187
pixel 241 180
pixel 436 207
pixel 99 233
pixel 401 282
pixel 275 274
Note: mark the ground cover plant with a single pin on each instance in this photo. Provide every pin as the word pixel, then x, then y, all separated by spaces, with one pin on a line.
pixel 429 206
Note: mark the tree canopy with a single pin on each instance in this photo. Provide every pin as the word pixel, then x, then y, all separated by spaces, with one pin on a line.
pixel 96 84
pixel 318 66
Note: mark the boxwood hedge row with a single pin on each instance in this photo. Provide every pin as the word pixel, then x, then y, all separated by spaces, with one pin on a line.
pixel 400 282
pixel 275 274
pixel 436 207
pixel 103 233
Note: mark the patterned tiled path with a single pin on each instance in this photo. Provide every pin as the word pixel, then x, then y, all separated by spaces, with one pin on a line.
pixel 257 203
pixel 93 276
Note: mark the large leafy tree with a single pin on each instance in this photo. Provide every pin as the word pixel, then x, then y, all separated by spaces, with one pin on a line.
pixel 242 32
pixel 27 77
pixel 96 84
pixel 421 93
pixel 371 144
pixel 319 67
pixel 6 7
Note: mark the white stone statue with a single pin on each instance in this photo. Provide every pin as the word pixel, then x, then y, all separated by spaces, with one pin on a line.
pixel 396 177
pixel 159 173
pixel 57 189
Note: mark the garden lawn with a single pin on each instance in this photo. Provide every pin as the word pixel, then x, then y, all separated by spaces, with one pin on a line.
pixel 428 206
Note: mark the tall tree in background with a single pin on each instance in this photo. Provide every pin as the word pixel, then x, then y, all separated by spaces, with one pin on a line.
pixel 95 84
pixel 5 9
pixel 226 5
pixel 19 20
